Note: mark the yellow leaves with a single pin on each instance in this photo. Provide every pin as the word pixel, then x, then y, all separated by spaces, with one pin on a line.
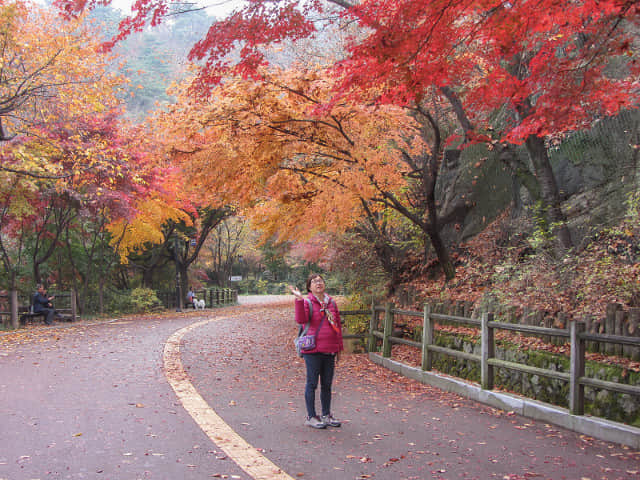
pixel 52 65
pixel 146 227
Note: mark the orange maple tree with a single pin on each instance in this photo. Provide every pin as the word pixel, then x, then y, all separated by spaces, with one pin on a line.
pixel 266 147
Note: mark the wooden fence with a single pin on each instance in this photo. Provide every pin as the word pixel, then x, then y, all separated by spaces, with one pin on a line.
pixel 12 305
pixel 616 321
pixel 212 297
pixel 577 336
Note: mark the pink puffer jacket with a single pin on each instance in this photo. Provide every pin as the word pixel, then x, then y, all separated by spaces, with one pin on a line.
pixel 328 340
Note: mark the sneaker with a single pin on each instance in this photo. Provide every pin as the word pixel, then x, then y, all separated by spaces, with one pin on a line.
pixel 315 422
pixel 330 421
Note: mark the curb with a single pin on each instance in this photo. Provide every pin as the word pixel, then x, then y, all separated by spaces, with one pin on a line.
pixel 595 427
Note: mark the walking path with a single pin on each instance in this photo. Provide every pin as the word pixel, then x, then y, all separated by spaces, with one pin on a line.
pixel 186 396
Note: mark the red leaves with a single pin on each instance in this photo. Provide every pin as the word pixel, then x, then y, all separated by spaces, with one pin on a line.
pixel 258 25
pixel 71 8
pixel 544 60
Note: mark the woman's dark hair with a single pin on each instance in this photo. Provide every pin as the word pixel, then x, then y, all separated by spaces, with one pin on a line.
pixel 311 278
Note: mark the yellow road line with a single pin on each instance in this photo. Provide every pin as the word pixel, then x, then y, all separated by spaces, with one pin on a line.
pixel 256 465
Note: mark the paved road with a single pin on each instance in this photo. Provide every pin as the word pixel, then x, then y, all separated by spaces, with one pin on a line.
pixel 264 299
pixel 94 402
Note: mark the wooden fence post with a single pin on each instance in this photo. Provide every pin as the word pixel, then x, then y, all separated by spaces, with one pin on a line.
pixel 468 309
pixel 590 327
pixel 487 349
pixel 634 330
pixel 13 302
pixel 547 322
pixel 560 322
pixel 621 317
pixel 576 389
pixel 610 326
pixel 73 305
pixel 373 325
pixel 388 330
pixel 427 338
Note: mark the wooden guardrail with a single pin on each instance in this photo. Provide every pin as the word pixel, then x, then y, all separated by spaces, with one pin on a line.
pixel 346 313
pixel 212 297
pixel 616 320
pixel 577 336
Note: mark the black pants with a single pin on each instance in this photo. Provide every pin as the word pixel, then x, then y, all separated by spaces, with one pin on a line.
pixel 50 313
pixel 320 365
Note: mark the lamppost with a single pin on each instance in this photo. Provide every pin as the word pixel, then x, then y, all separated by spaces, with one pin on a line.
pixel 178 286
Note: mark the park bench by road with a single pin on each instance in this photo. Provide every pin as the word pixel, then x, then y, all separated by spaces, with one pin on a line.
pixel 65 305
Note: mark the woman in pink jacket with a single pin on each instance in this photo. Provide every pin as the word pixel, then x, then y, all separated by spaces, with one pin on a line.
pixel 320 361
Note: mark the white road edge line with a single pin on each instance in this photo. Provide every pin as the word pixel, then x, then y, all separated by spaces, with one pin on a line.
pixel 256 465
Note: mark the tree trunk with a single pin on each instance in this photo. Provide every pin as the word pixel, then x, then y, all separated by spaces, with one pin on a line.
pixel 147 276
pixel 184 280
pixel 11 284
pixel 389 258
pixel 13 301
pixel 549 190
pixel 432 229
pixel 443 254
pixel 101 296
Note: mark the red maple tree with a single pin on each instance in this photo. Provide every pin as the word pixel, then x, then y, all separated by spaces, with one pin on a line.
pixel 514 72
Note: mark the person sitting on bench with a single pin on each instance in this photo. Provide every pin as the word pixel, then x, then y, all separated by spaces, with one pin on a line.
pixel 42 304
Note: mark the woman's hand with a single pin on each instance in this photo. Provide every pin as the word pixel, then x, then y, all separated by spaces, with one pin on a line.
pixel 296 292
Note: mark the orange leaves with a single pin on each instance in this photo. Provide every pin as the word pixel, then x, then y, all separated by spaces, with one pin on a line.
pixel 267 149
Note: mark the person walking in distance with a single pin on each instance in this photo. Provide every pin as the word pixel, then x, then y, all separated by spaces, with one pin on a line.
pixel 321 311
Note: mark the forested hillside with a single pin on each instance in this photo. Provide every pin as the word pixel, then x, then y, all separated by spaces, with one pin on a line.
pixel 154 57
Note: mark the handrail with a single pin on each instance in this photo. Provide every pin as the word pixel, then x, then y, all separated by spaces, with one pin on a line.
pixel 603 337
pixel 577 337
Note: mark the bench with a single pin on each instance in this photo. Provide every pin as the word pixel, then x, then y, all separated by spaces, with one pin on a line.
pixel 27 314
pixel 65 303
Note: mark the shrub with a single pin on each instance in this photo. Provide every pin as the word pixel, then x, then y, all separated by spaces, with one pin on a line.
pixel 144 300
pixel 119 302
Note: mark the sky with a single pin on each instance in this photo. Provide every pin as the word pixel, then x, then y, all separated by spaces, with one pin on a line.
pixel 217 8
